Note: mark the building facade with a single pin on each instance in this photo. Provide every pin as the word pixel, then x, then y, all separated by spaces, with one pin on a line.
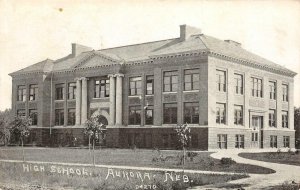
pixel 230 97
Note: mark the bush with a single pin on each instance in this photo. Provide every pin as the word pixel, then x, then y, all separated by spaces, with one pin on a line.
pixel 227 161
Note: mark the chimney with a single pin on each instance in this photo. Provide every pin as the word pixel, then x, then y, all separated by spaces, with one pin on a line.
pixel 188 31
pixel 78 49
pixel 233 42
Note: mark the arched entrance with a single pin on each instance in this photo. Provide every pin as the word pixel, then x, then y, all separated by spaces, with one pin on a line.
pixel 102 120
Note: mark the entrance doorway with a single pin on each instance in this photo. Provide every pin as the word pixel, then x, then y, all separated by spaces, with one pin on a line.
pixel 257 132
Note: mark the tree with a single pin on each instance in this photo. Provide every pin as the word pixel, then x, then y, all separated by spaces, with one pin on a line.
pixel 184 135
pixel 297 126
pixel 5 119
pixel 20 128
pixel 95 131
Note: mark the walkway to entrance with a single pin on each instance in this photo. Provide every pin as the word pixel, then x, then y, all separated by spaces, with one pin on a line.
pixel 283 173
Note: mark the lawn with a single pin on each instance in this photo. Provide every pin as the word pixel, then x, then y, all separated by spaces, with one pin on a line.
pixel 129 157
pixel 49 176
pixel 291 158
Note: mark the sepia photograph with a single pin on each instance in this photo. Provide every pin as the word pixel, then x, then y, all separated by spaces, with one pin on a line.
pixel 156 95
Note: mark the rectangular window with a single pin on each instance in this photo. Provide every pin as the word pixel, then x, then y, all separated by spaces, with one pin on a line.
pixel 191 79
pixel 21 113
pixel 239 87
pixel 21 93
pixel 191 112
pixel 222 141
pixel 285 121
pixel 135 86
pixel 272 86
pixel 272 118
pixel 149 115
pixel 33 92
pixel 238 115
pixel 239 141
pixel 221 113
pixel 170 113
pixel 221 81
pixel 135 115
pixel 256 87
pixel 71 117
pixel 285 92
pixel 254 137
pixel 71 90
pixel 33 116
pixel 60 92
pixel 150 85
pixel 170 81
pixel 59 117
pixel 286 141
pixel 101 88
pixel 273 141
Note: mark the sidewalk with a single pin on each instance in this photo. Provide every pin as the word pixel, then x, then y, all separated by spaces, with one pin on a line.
pixel 283 173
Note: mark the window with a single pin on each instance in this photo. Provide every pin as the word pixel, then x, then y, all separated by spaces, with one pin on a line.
pixel 238 79
pixel 285 122
pixel 71 90
pixel 21 113
pixel 59 91
pixel 170 81
pixel 149 115
pixel 222 141
pixel 170 113
pixel 286 141
pixel 254 136
pixel 273 141
pixel 221 81
pixel 285 92
pixel 59 117
pixel 21 93
pixel 221 113
pixel 33 92
pixel 149 85
pixel 191 112
pixel 71 117
pixel 135 86
pixel 101 88
pixel 238 115
pixel 272 86
pixel 33 116
pixel 256 87
pixel 239 141
pixel 272 118
pixel 135 115
pixel 191 79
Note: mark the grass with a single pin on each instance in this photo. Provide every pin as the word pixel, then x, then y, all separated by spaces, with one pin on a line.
pixel 290 158
pixel 285 186
pixel 13 176
pixel 128 157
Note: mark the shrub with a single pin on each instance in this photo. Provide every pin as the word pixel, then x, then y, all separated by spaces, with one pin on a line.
pixel 191 155
pixel 227 161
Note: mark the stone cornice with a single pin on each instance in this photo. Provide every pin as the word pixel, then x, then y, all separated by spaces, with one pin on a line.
pixel 154 58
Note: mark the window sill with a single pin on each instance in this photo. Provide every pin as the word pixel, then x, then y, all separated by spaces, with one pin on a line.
pixel 149 95
pixel 239 94
pixel 32 100
pixel 190 91
pixel 135 96
pixel 101 98
pixel 169 92
pixel 59 100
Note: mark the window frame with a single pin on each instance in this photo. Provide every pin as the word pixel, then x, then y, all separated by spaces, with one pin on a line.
pixel 284 119
pixel 34 120
pixel 21 93
pixel 194 84
pixel 222 141
pixel 60 91
pixel 190 110
pixel 137 88
pixel 219 117
pixel 272 90
pixel 71 119
pixel 150 78
pixel 136 116
pixel 273 141
pixel 101 88
pixel 221 80
pixel 71 90
pixel 33 92
pixel 239 141
pixel 173 81
pixel 168 112
pixel 286 141
pixel 239 83
pixel 151 109
pixel 285 92
pixel 238 115
pixel 257 87
pixel 272 118
pixel 59 117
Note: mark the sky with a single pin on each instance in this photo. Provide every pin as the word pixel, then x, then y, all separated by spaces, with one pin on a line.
pixel 31 31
